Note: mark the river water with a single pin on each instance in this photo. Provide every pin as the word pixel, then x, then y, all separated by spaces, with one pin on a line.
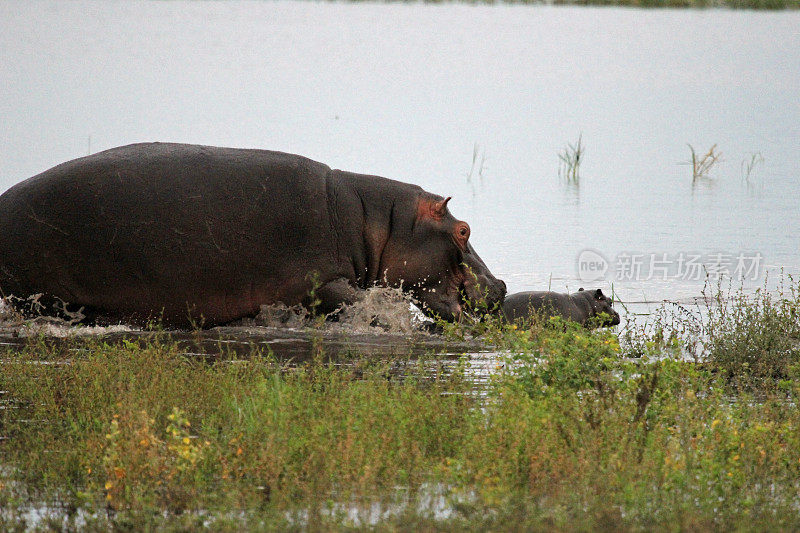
pixel 470 101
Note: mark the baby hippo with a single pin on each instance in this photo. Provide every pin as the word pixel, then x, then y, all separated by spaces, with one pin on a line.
pixel 578 307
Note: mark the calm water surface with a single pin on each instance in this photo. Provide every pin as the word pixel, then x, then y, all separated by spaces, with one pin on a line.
pixel 413 91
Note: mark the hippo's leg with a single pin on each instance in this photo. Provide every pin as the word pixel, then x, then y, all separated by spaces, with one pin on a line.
pixel 332 295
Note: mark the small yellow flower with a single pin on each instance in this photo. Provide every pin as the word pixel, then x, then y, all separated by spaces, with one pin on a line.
pixel 239 451
pixel 715 423
pixel 186 440
pixel 736 457
pixel 109 485
pixel 730 474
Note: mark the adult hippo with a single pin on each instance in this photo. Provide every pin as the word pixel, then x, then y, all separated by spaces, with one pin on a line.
pixel 588 308
pixel 199 234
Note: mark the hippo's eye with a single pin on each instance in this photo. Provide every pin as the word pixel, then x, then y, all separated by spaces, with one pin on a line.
pixel 461 234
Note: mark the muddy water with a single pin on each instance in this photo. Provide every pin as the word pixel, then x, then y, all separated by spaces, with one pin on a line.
pixel 476 102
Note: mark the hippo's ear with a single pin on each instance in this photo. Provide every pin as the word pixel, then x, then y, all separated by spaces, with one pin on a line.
pixel 579 290
pixel 598 294
pixel 438 209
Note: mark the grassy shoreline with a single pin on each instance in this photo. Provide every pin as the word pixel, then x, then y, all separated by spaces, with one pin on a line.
pixel 570 433
pixel 760 5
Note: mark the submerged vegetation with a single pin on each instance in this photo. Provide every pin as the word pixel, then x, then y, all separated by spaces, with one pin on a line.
pixel 477 167
pixel 733 4
pixel 577 429
pixel 702 165
pixel 570 162
pixel 749 165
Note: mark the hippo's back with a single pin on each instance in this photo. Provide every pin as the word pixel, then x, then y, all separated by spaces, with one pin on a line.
pixel 156 226
pixel 546 303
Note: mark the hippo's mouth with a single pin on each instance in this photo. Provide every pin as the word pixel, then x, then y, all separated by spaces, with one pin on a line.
pixel 460 296
pixel 446 303
pixel 457 301
pixel 470 297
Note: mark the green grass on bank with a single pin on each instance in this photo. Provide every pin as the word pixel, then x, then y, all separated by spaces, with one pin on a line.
pixel 570 434
pixel 733 4
pixel 701 4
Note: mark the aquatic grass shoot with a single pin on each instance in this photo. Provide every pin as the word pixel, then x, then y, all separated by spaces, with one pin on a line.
pixel 702 165
pixel 477 167
pixel 655 4
pixel 749 164
pixel 570 162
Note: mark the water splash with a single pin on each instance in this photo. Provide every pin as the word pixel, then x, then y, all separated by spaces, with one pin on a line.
pixel 14 324
pixel 278 316
pixel 378 310
pixel 384 308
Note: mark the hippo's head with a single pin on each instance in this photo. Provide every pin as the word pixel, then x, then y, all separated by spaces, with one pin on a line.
pixel 434 260
pixel 601 305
